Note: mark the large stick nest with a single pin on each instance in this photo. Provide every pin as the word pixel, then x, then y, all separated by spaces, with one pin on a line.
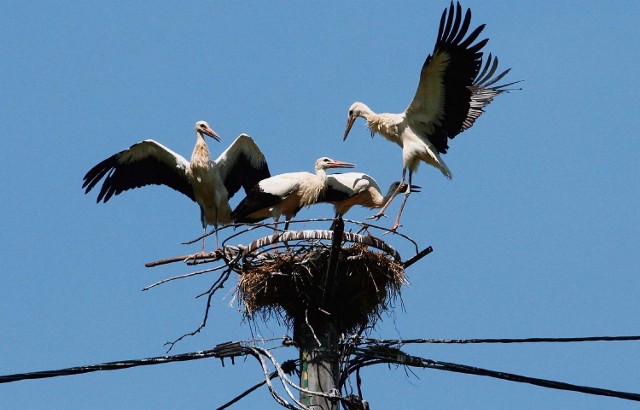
pixel 293 284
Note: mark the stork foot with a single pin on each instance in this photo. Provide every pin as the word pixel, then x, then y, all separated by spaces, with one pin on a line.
pixel 377 216
pixel 393 229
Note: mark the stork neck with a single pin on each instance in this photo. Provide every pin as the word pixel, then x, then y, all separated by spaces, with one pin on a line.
pixel 364 111
pixel 200 156
pixel 312 188
pixel 390 193
pixel 321 173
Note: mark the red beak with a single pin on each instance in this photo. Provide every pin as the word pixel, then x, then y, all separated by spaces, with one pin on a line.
pixel 341 164
pixel 350 122
pixel 212 134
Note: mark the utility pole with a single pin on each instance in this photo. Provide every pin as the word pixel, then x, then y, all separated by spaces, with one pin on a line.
pixel 324 292
pixel 320 367
pixel 327 293
pixel 319 338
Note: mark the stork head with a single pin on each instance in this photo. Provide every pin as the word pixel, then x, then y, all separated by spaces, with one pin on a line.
pixel 325 163
pixel 356 110
pixel 399 188
pixel 203 128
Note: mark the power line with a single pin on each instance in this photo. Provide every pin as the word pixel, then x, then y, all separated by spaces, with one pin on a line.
pixel 289 367
pixel 250 390
pixel 376 352
pixel 376 355
pixel 221 351
pixel 522 340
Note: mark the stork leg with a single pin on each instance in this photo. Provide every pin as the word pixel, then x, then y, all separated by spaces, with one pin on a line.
pixel 204 232
pixel 204 228
pixel 215 232
pixel 276 235
pixel 404 201
pixel 275 225
pixel 380 214
pixel 286 228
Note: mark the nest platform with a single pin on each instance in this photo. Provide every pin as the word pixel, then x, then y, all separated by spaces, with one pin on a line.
pixel 293 282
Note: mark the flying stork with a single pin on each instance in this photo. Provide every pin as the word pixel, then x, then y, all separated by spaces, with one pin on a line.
pixel 452 92
pixel 348 189
pixel 209 183
pixel 285 194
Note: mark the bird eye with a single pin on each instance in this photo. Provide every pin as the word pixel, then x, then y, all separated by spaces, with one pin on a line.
pixel 350 113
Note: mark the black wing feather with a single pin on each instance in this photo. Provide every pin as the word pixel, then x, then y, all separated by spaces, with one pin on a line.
pixel 466 86
pixel 144 163
pixel 255 200
pixel 465 62
pixel 440 112
pixel 244 179
pixel 242 165
pixel 483 90
pixel 331 194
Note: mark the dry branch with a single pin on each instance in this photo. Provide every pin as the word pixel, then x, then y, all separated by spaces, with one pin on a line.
pixel 192 259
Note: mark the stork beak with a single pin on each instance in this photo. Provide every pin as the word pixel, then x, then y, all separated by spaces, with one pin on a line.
pixel 341 164
pixel 212 134
pixel 350 122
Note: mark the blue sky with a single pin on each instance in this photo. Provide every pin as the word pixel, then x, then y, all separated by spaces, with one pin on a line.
pixel 535 236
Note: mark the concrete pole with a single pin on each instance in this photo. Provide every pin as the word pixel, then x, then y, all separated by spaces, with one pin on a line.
pixel 319 344
pixel 320 367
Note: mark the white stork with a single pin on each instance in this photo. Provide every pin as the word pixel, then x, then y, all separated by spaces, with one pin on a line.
pixel 209 183
pixel 348 189
pixel 453 90
pixel 285 194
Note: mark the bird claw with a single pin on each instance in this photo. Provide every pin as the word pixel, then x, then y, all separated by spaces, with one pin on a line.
pixel 394 229
pixel 377 216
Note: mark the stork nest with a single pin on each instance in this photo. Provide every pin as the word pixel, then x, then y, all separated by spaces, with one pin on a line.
pixel 293 284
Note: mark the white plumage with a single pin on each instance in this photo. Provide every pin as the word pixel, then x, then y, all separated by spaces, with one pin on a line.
pixel 285 194
pixel 452 92
pixel 209 183
pixel 349 189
